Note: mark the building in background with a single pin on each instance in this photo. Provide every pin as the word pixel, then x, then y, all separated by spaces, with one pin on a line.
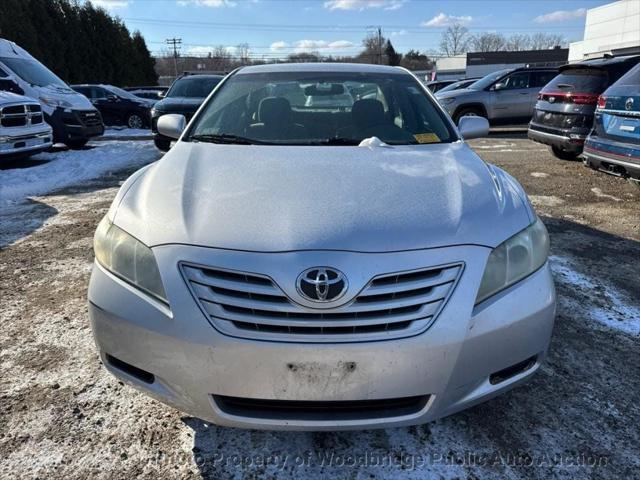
pixel 479 64
pixel 610 29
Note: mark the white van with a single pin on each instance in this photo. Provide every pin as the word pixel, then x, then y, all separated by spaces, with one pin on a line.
pixel 72 116
pixel 23 131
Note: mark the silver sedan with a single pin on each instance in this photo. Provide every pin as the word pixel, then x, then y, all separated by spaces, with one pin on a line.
pixel 289 265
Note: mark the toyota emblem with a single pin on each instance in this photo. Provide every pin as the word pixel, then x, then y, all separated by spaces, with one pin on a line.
pixel 322 284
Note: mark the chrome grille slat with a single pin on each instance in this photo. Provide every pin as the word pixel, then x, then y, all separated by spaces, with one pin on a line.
pixel 322 319
pixel 390 305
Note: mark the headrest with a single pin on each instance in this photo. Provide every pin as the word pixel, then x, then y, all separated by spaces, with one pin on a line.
pixel 368 112
pixel 274 109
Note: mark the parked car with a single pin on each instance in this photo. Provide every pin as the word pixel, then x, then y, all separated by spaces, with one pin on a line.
pixel 613 146
pixel 458 85
pixel 184 97
pixel 321 269
pixel 117 106
pixel 564 111
pixel 503 97
pixel 73 119
pixel 437 85
pixel 23 131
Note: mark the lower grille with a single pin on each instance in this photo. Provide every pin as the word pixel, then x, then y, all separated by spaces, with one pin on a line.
pixel 561 120
pixel 251 305
pixel 319 410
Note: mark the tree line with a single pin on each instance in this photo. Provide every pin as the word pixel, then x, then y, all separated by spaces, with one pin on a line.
pixel 78 42
pixel 457 40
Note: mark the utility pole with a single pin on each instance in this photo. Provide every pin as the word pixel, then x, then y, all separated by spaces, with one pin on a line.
pixel 379 46
pixel 175 43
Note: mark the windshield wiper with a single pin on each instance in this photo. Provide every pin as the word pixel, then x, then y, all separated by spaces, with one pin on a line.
pixel 226 138
pixel 336 141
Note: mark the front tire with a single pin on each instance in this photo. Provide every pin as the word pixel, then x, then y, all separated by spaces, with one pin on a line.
pixel 135 121
pixel 470 112
pixel 564 154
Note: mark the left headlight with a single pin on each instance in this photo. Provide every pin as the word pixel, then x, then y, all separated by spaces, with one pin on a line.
pixel 128 258
pixel 514 259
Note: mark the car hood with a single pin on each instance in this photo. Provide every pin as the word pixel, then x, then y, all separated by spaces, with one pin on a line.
pixel 279 198
pixel 455 93
pixel 179 104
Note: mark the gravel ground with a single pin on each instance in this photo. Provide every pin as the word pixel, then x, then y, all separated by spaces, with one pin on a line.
pixel 63 416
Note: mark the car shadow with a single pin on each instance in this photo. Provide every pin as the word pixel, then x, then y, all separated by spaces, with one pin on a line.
pixel 19 220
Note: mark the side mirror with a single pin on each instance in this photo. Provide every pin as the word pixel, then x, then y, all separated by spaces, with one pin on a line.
pixel 112 98
pixel 497 86
pixel 473 127
pixel 162 94
pixel 171 125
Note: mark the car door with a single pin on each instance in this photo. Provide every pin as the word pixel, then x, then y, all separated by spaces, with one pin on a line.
pixel 104 101
pixel 511 97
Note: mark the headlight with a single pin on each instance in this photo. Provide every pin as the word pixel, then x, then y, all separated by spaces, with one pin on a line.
pixel 55 102
pixel 128 258
pixel 514 259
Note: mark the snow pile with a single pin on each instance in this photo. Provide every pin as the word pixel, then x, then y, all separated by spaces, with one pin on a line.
pixel 606 305
pixel 67 168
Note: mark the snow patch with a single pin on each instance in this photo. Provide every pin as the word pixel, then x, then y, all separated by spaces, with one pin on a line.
pixel 127 132
pixel 608 306
pixel 64 169
pixel 598 193
pixel 545 200
pixel 539 174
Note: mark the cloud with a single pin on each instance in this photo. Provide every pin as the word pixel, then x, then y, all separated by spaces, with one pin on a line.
pixel 399 33
pixel 109 4
pixel 561 16
pixel 363 4
pixel 444 20
pixel 315 45
pixel 277 46
pixel 207 3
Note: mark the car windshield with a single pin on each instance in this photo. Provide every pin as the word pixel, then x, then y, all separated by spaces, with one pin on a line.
pixel 193 87
pixel 122 93
pixel 32 72
pixel 456 86
pixel 321 108
pixel 489 80
pixel 631 79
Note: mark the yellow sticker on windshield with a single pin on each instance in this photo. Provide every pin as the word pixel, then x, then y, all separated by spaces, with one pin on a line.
pixel 426 138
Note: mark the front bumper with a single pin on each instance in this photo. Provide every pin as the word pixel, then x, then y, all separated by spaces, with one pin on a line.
pixel 555 137
pixel 29 142
pixel 450 364
pixel 72 125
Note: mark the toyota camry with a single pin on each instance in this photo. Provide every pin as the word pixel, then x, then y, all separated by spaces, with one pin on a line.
pixel 321 250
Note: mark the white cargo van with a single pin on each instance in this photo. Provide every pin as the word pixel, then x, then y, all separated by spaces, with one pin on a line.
pixel 72 116
pixel 23 131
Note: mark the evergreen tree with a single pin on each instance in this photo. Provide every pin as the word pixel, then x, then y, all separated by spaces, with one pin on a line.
pixel 78 42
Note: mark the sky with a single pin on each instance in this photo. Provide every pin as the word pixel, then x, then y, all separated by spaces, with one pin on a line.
pixel 276 28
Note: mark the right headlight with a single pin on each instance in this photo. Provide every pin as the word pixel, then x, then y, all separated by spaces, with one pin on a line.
pixel 514 259
pixel 128 258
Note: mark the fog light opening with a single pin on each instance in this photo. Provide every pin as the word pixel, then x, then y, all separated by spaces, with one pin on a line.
pixel 130 370
pixel 512 371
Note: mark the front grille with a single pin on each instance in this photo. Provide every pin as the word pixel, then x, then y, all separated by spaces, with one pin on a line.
pixel 251 305
pixel 305 410
pixel 90 119
pixel 561 120
pixel 20 115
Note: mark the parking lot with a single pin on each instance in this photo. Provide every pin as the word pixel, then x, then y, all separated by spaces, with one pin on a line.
pixel 63 416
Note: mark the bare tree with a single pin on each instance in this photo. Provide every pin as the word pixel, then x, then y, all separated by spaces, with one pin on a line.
pixel 517 42
pixel 242 52
pixel 455 40
pixel 542 41
pixel 488 42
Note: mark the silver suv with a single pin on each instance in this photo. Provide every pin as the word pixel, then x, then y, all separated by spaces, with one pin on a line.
pixel 505 96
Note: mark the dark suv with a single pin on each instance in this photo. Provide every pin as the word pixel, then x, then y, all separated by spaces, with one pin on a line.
pixel 184 97
pixel 564 111
pixel 117 106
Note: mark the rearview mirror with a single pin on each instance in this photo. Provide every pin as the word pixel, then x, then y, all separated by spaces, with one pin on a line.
pixel 473 127
pixel 171 125
pixel 324 89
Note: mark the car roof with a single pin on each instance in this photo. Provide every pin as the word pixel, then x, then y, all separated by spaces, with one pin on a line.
pixel 319 67
pixel 602 62
pixel 200 75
